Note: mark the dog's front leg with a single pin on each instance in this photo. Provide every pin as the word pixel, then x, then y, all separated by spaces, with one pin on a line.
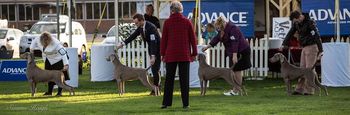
pixel 286 81
pixel 123 86
pixel 205 86
pixel 201 83
pixel 118 86
pixel 32 87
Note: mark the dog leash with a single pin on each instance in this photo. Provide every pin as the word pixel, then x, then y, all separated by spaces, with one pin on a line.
pixel 148 67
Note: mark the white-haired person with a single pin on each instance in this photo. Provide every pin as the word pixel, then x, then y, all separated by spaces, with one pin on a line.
pixel 54 55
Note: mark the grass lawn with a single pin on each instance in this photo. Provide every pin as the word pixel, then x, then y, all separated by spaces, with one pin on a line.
pixel 264 97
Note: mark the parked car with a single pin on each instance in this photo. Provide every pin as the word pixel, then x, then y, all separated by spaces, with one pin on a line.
pixel 49 24
pixel 10 38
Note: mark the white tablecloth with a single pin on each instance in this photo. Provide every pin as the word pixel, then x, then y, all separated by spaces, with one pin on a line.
pixel 73 67
pixel 336 64
pixel 101 70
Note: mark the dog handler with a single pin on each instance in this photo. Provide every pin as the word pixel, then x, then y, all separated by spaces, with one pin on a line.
pixel 54 55
pixel 309 38
pixel 236 48
pixel 149 34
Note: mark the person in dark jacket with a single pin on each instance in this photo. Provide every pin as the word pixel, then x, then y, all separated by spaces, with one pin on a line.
pixel 309 39
pixel 178 48
pixel 236 48
pixel 149 16
pixel 149 34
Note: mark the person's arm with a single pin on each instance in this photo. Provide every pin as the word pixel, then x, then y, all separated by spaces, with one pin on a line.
pixel 192 38
pixel 289 36
pixel 153 41
pixel 164 40
pixel 215 40
pixel 236 36
pixel 133 36
pixel 316 35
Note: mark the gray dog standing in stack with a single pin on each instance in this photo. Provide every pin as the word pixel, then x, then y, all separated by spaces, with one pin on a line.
pixel 123 73
pixel 290 72
pixel 206 72
pixel 36 75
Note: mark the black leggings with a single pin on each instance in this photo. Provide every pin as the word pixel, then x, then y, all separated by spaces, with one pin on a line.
pixel 57 66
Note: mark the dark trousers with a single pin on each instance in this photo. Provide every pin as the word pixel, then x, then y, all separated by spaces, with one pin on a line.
pixel 184 68
pixel 57 66
pixel 155 71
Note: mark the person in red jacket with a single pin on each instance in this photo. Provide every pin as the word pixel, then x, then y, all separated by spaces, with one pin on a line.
pixel 178 47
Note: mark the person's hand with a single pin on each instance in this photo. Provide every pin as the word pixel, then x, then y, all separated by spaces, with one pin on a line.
pixel 153 59
pixel 65 67
pixel 319 56
pixel 283 47
pixel 120 45
pixel 162 58
pixel 234 58
pixel 194 58
pixel 205 48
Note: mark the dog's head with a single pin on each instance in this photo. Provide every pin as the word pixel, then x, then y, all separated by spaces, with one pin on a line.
pixel 112 58
pixel 29 56
pixel 277 57
pixel 201 57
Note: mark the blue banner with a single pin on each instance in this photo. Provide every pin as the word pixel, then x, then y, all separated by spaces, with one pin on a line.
pixel 322 11
pixel 240 12
pixel 13 70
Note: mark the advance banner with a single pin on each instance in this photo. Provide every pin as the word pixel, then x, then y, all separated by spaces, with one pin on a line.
pixel 240 12
pixel 322 11
pixel 13 70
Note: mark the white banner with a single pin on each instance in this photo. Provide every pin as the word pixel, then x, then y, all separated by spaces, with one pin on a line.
pixel 281 27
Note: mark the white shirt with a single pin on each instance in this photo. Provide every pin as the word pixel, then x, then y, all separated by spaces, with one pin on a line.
pixel 51 52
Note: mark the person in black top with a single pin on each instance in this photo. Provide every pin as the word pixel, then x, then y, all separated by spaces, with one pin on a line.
pixel 150 35
pixel 309 39
pixel 149 16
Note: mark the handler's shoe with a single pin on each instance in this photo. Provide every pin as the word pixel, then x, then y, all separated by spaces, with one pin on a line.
pixel 231 93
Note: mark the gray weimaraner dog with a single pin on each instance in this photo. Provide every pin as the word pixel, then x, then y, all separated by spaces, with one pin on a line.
pixel 36 75
pixel 207 72
pixel 123 73
pixel 290 72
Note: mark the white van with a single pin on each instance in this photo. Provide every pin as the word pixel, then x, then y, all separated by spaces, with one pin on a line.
pixel 49 23
pixel 9 38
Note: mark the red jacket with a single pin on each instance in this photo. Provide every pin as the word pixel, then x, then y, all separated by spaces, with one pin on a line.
pixel 178 41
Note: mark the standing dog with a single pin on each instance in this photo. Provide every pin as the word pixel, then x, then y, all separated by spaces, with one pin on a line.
pixel 123 73
pixel 36 75
pixel 206 72
pixel 290 72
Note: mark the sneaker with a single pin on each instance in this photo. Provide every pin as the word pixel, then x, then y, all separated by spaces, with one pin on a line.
pixel 230 93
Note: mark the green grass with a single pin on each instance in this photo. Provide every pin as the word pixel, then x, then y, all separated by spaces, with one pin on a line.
pixel 264 97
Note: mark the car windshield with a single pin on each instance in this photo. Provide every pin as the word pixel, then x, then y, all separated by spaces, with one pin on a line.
pixel 3 34
pixel 111 32
pixel 51 28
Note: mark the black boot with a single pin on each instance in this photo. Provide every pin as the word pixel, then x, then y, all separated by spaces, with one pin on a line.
pixel 59 93
pixel 50 88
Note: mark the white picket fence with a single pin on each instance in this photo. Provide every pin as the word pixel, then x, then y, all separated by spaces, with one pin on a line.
pixel 136 55
pixel 342 39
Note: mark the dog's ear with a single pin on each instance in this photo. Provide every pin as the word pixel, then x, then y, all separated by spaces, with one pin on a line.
pixel 281 56
pixel 29 57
